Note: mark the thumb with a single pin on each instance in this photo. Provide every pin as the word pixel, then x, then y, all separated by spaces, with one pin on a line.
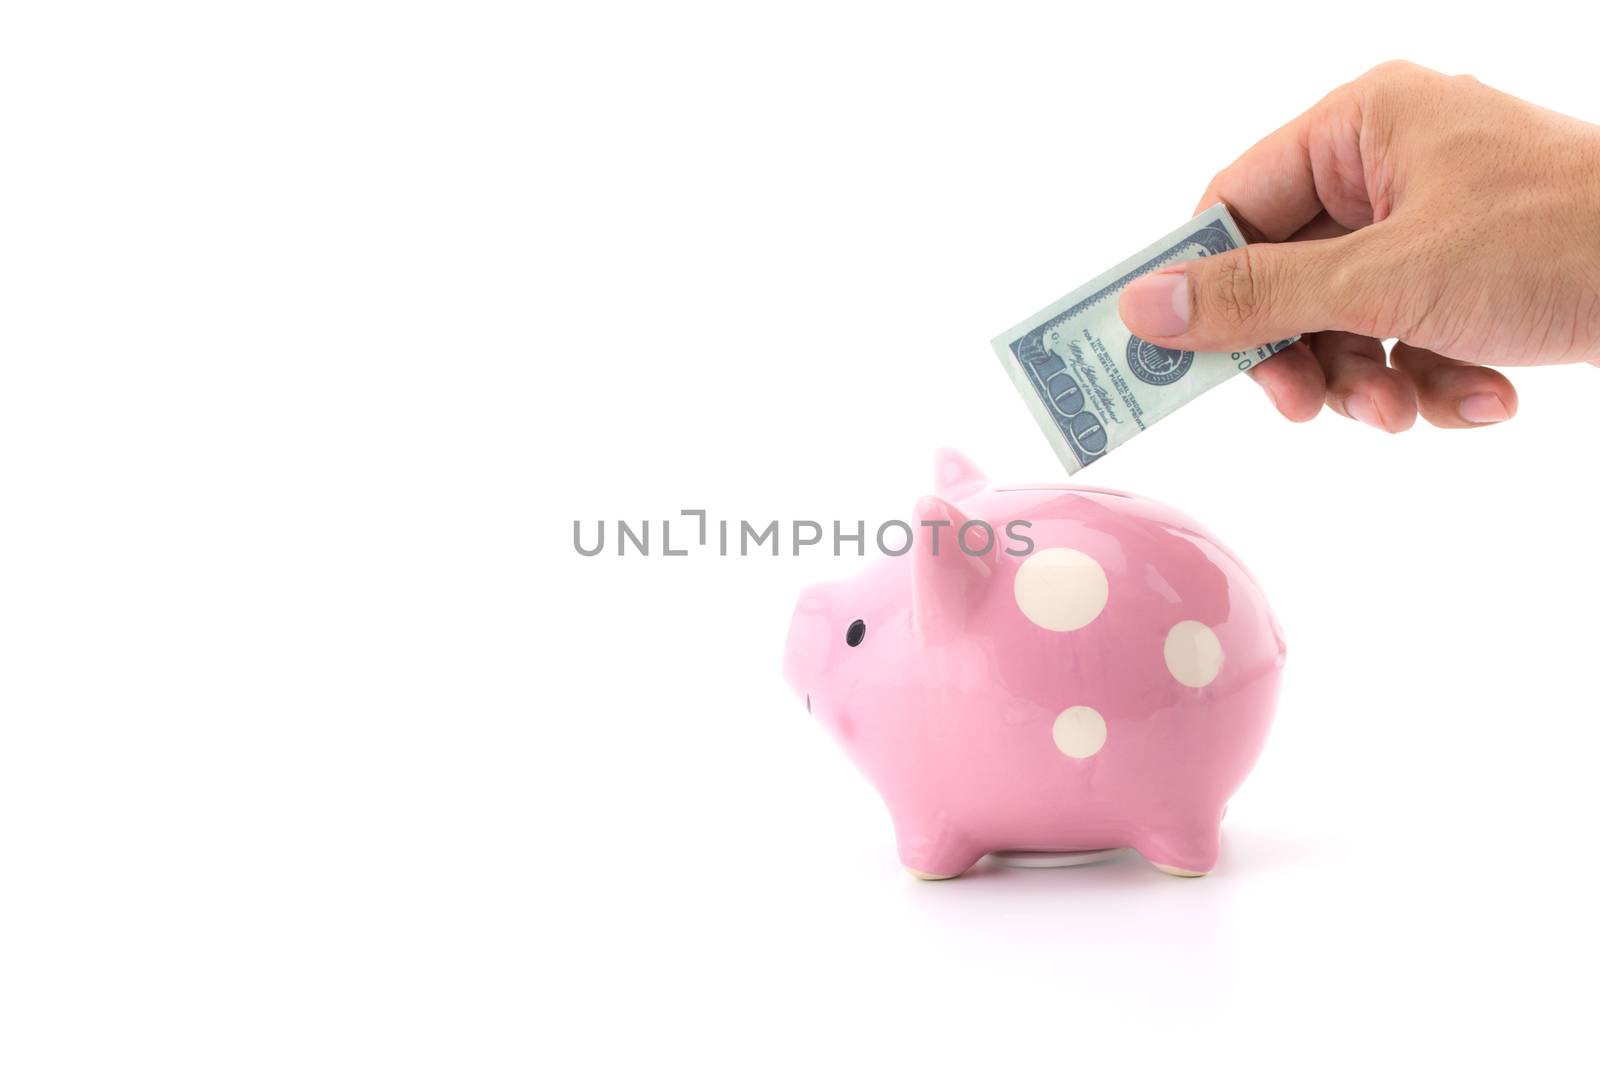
pixel 1253 295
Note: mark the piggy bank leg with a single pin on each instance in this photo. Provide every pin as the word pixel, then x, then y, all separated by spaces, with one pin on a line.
pixel 934 851
pixel 1184 851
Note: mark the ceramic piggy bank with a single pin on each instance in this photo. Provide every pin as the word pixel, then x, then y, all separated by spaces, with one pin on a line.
pixel 1100 674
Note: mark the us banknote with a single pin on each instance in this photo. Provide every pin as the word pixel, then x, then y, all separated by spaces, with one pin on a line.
pixel 1090 383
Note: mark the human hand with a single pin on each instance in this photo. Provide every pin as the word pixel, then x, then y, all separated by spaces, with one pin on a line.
pixel 1410 205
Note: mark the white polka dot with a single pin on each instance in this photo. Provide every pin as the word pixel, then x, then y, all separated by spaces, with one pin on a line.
pixel 1060 589
pixel 1079 732
pixel 1194 655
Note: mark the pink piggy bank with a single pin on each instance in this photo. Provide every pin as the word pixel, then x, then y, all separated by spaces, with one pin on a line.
pixel 1101 674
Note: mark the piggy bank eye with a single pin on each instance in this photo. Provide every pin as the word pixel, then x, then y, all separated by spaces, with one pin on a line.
pixel 857 631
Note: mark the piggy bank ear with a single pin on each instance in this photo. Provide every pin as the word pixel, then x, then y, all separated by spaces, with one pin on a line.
pixel 955 476
pixel 948 574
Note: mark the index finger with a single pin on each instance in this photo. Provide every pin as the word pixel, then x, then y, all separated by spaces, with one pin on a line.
pixel 1292 175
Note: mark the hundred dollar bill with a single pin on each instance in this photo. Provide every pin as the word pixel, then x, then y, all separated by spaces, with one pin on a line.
pixel 1090 383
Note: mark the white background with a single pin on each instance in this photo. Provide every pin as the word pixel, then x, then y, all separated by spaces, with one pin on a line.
pixel 319 326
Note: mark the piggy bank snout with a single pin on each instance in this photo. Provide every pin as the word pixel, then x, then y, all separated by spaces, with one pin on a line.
pixel 805 649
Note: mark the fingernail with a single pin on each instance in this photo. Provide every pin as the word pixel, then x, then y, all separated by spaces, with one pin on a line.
pixel 1360 406
pixel 1157 305
pixel 1483 407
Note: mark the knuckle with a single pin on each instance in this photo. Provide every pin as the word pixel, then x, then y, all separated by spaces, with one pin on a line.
pixel 1238 288
pixel 1393 71
pixel 1396 81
